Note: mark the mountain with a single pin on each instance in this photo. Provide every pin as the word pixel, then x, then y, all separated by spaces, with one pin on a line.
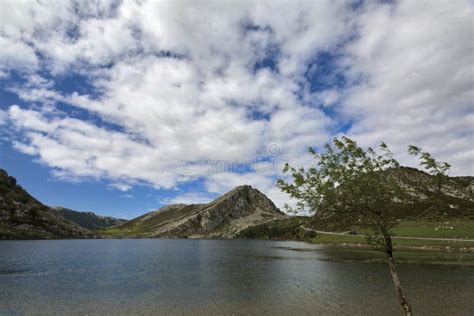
pixel 242 212
pixel 224 217
pixel 455 198
pixel 24 217
pixel 88 220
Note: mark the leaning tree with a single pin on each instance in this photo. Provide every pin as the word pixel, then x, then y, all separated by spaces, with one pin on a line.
pixel 363 187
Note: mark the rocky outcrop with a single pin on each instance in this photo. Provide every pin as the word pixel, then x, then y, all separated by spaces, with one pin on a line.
pixel 24 217
pixel 452 197
pixel 224 217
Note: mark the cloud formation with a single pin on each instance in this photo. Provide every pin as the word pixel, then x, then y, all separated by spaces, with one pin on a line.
pixel 417 61
pixel 177 91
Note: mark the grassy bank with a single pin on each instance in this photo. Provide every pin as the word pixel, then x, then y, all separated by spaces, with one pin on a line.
pixel 421 244
pixel 292 229
pixel 449 228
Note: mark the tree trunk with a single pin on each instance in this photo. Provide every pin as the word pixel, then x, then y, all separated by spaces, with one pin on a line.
pixel 393 272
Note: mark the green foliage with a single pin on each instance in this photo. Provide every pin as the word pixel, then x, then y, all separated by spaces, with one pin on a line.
pixel 282 229
pixel 361 186
pixel 433 167
pixel 34 212
pixel 428 162
pixel 24 217
pixel 145 224
pixel 346 179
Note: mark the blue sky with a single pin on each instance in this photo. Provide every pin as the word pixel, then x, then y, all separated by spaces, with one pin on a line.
pixel 122 107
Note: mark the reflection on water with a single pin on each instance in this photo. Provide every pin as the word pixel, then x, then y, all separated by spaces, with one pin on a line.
pixel 216 277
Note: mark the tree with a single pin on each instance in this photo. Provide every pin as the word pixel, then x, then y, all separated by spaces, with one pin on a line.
pixel 361 185
pixel 437 169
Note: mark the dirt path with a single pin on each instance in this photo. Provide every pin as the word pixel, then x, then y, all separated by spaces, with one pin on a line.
pixel 393 237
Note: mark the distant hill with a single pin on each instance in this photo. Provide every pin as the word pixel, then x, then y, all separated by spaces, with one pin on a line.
pixel 455 201
pixel 224 217
pixel 24 217
pixel 88 220
pixel 456 198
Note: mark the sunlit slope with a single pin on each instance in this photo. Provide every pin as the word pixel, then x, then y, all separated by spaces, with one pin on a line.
pixel 224 217
pixel 152 222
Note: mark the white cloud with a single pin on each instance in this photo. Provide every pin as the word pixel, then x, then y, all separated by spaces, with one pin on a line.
pixel 189 198
pixel 30 119
pixel 176 92
pixel 17 55
pixel 417 58
pixel 120 186
pixel 223 182
pixel 26 149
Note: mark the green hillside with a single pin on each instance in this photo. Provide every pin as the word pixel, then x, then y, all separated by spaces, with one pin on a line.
pixel 146 223
pixel 451 218
pixel 24 217
pixel 88 220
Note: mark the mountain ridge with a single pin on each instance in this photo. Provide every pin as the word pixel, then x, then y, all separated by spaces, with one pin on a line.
pixel 24 217
pixel 228 216
pixel 224 217
pixel 88 220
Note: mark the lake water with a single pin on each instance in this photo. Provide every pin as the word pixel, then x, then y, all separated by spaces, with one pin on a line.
pixel 241 277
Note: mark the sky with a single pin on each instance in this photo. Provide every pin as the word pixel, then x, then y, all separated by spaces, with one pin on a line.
pixel 121 107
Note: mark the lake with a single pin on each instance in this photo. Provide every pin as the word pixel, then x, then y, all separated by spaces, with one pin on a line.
pixel 241 277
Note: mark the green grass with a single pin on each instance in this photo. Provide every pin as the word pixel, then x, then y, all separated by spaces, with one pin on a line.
pixel 449 228
pixel 146 224
pixel 116 232
pixel 282 229
pixel 398 243
pixel 446 228
pixel 289 229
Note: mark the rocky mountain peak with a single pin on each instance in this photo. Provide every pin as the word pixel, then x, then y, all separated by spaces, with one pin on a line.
pixel 224 217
